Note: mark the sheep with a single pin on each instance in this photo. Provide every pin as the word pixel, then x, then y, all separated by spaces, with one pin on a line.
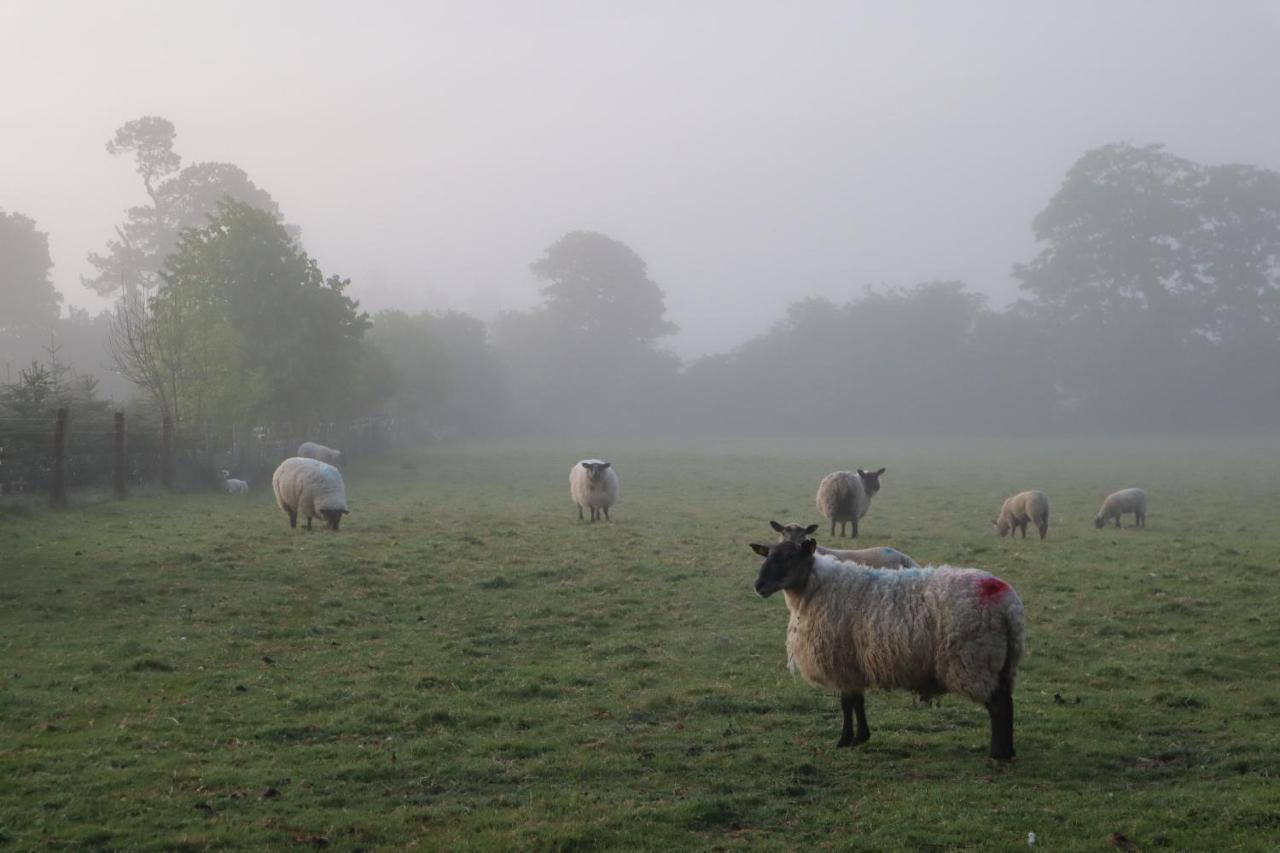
pixel 1023 507
pixel 1118 503
pixel 593 484
pixel 310 487
pixel 312 450
pixel 876 558
pixel 931 630
pixel 845 497
pixel 232 486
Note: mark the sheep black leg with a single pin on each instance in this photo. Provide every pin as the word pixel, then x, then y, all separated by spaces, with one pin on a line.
pixel 1000 707
pixel 308 522
pixel 293 518
pixel 606 513
pixel 853 704
pixel 833 528
pixel 580 512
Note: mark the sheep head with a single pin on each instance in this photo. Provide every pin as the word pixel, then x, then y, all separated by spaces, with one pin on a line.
pixel 333 516
pixel 786 566
pixel 595 470
pixel 793 532
pixel 870 481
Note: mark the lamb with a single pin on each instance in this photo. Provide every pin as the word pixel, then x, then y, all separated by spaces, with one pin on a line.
pixel 876 558
pixel 1118 503
pixel 232 486
pixel 593 484
pixel 846 497
pixel 312 450
pixel 310 487
pixel 1023 507
pixel 932 630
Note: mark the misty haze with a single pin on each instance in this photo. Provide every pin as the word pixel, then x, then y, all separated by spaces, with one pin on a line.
pixel 389 396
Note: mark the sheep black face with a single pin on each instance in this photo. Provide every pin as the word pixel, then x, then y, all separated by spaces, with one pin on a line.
pixel 333 516
pixel 870 481
pixel 786 566
pixel 595 470
pixel 793 532
pixel 1099 522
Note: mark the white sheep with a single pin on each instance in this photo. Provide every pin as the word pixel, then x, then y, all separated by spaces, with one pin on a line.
pixel 1024 507
pixel 312 488
pixel 845 497
pixel 932 630
pixel 593 484
pixel 1118 503
pixel 312 450
pixel 232 486
pixel 876 558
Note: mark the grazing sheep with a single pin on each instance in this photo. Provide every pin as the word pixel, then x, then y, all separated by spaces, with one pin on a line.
pixel 1118 503
pixel 876 558
pixel 846 497
pixel 232 486
pixel 312 450
pixel 932 630
pixel 593 484
pixel 1024 507
pixel 310 487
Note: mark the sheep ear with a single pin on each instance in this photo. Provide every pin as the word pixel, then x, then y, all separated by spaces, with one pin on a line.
pixel 762 550
pixel 776 526
pixel 881 471
pixel 809 546
pixel 861 473
pixel 810 530
pixel 604 465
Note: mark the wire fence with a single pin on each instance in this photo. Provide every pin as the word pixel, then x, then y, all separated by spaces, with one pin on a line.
pixel 93 451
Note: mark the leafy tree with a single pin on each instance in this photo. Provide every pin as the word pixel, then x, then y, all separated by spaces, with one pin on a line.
pixel 179 198
pixel 244 324
pixel 29 298
pixel 598 284
pixel 448 380
pixel 592 343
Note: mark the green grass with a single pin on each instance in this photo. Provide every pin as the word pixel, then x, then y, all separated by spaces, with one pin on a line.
pixel 465 665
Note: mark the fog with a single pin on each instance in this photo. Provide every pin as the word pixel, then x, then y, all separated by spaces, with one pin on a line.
pixel 750 153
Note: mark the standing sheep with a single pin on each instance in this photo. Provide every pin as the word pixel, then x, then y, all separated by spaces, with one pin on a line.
pixel 933 631
pixel 1118 503
pixel 310 487
pixel 875 558
pixel 312 450
pixel 1022 508
pixel 846 497
pixel 232 486
pixel 593 484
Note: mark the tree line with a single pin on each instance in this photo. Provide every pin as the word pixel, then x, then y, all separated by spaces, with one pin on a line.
pixel 1153 302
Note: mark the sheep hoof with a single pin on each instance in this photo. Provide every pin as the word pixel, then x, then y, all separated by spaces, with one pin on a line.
pixel 1001 755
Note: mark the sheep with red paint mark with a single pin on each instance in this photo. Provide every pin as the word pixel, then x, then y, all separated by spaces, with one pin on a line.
pixel 934 630
pixel 883 557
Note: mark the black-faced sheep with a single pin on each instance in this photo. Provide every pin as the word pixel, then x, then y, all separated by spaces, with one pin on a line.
pixel 312 488
pixel 593 484
pixel 932 631
pixel 876 558
pixel 845 497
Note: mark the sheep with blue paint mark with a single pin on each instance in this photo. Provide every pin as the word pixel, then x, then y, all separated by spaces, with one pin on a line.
pixel 877 558
pixel 931 630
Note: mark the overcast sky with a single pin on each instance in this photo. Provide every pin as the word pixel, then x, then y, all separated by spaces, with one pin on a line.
pixel 750 152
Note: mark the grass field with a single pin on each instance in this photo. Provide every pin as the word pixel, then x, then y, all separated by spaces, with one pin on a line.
pixel 465 665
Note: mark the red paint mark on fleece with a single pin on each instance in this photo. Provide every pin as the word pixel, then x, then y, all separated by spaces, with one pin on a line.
pixel 990 589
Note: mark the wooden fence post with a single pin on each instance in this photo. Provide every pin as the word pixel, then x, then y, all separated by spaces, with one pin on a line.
pixel 121 492
pixel 58 494
pixel 166 453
